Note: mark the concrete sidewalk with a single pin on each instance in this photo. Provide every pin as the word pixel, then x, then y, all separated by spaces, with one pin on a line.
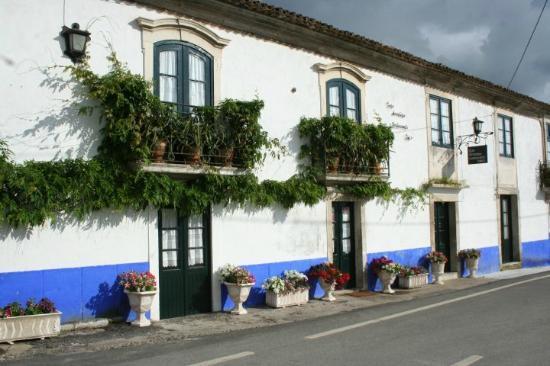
pixel 120 335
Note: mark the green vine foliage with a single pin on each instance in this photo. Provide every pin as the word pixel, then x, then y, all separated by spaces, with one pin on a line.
pixel 133 121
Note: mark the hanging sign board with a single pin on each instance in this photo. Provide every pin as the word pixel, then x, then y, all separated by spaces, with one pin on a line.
pixel 477 154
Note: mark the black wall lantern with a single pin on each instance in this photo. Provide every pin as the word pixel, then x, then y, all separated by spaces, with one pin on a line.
pixel 75 42
pixel 475 137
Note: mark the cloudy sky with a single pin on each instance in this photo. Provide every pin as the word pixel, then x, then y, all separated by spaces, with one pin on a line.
pixel 484 38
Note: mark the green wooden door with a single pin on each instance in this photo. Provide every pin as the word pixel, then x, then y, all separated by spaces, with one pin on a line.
pixel 506 229
pixel 442 230
pixel 344 243
pixel 184 264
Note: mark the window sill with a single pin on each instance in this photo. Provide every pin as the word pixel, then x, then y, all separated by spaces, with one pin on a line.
pixel 186 171
pixel 350 178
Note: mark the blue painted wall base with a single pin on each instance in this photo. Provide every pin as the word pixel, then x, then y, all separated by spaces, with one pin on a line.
pixel 79 293
pixel 266 270
pixel 535 253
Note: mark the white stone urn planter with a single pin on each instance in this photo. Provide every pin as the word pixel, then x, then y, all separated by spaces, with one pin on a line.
pixel 416 281
pixel 140 303
pixel 238 293
pixel 328 288
pixel 280 301
pixel 387 279
pixel 472 264
pixel 437 271
pixel 19 328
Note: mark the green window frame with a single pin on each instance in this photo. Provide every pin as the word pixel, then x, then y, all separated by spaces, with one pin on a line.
pixel 441 119
pixel 505 136
pixel 185 71
pixel 343 99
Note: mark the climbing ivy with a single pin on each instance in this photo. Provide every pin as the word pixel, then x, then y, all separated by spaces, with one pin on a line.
pixel 36 191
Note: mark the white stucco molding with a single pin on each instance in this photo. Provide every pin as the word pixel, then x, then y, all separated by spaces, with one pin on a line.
pixel 185 30
pixel 341 70
pixel 183 24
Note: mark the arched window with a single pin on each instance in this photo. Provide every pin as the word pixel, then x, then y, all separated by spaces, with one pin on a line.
pixel 183 75
pixel 343 99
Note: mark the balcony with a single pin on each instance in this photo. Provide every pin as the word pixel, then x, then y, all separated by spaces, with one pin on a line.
pixel 347 173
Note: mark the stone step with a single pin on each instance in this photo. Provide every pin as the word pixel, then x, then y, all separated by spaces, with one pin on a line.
pixel 449 276
pixel 510 265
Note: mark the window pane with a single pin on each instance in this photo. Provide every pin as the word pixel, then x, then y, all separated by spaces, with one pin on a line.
pixel 505 220
pixel 351 114
pixel 445 108
pixel 196 68
pixel 501 148
pixel 169 239
pixel 346 230
pixel 500 135
pixel 508 136
pixel 508 149
pixel 508 124
pixel 350 99
pixel 167 63
pixel 170 259
pixel 435 136
pixel 446 138
pixel 504 205
pixel 169 218
pixel 445 124
pixel 435 121
pixel 346 214
pixel 505 234
pixel 333 96
pixel 195 257
pixel 334 111
pixel 195 221
pixel 196 93
pixel 195 238
pixel 434 106
pixel 346 245
pixel 168 89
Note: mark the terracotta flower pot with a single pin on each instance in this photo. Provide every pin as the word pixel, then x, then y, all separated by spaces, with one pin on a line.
pixel 227 157
pixel 333 164
pixel 159 151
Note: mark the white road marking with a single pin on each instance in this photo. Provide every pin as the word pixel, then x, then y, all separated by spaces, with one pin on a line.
pixel 468 361
pixel 217 361
pixel 417 310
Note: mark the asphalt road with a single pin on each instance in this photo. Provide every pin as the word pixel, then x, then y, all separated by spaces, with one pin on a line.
pixel 502 323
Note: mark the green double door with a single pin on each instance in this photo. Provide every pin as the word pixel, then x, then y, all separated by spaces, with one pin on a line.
pixel 184 264
pixel 344 240
pixel 442 226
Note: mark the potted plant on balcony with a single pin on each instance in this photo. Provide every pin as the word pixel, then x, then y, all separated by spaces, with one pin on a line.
pixel 330 278
pixel 238 281
pixel 471 260
pixel 37 320
pixel 437 260
pixel 412 277
pixel 387 271
pixel 290 289
pixel 141 289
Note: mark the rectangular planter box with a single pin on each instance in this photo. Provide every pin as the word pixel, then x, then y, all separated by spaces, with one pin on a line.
pixel 280 301
pixel 413 281
pixel 29 327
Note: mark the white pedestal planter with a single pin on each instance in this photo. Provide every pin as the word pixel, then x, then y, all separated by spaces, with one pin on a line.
pixel 140 302
pixel 239 294
pixel 415 281
pixel 437 271
pixel 472 264
pixel 387 279
pixel 328 288
pixel 280 301
pixel 29 327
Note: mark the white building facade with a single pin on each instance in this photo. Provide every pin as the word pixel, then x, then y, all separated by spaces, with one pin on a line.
pixel 499 208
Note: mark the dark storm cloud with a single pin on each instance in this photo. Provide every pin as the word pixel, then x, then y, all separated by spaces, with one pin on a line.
pixel 484 38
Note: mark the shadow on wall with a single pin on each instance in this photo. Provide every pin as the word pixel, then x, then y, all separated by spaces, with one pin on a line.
pixel 109 302
pixel 97 220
